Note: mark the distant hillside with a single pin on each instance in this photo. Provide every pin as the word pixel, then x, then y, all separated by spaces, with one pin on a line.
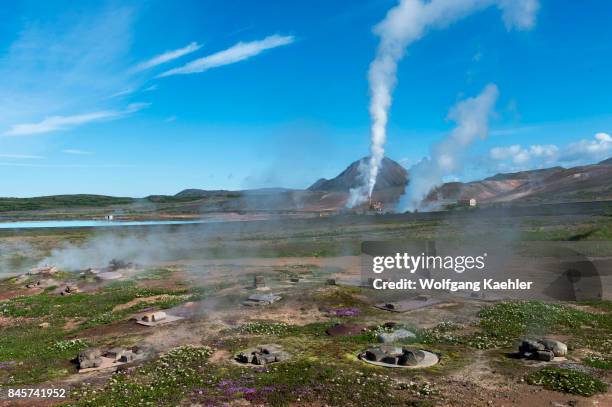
pixel 60 201
pixel 550 185
pixel 557 184
pixel 391 175
pixel 606 162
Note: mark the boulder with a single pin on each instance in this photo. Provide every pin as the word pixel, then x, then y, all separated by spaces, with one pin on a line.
pixel 557 347
pixel 89 358
pixel 392 360
pixel 410 357
pixel 544 355
pixel 375 355
pixel 127 356
pixel 529 346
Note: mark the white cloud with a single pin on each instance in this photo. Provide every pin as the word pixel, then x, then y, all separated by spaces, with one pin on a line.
pixel 236 53
pixel 55 123
pixel 75 151
pixel 168 56
pixel 585 151
pixel 519 13
pixel 521 156
pixel 21 156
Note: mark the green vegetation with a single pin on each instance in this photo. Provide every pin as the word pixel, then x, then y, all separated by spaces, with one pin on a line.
pixel 60 201
pixel 185 373
pixel 163 382
pixel 600 362
pixel 508 321
pixel 504 323
pixel 567 381
pixel 39 354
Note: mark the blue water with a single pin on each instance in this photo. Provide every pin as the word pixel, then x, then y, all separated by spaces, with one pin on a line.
pixel 92 223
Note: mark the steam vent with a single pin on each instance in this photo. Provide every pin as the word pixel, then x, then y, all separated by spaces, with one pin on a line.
pixel 262 355
pixel 394 356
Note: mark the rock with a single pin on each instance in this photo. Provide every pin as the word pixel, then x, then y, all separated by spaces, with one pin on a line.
pixel 242 358
pixel 44 325
pixel 396 336
pixel 392 360
pixel 127 356
pixel 411 357
pixel 529 346
pixel 544 355
pixel 557 347
pixel 375 355
pixel 114 353
pixel 89 354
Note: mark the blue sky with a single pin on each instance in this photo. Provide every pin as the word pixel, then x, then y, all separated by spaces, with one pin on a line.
pixel 151 97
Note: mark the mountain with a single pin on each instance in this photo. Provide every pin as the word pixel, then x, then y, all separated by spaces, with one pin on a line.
pixel 391 175
pixel 556 184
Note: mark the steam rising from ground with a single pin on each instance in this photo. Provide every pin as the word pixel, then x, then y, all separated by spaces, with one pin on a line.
pixel 472 117
pixel 404 24
pixel 99 250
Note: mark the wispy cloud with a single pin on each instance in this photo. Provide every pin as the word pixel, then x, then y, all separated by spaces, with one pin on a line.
pixel 13 164
pixel 66 62
pixel 21 156
pixel 75 151
pixel 124 92
pixel 239 52
pixel 167 57
pixel 55 123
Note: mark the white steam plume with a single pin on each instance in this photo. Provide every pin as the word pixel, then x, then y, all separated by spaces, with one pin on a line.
pixel 472 117
pixel 404 24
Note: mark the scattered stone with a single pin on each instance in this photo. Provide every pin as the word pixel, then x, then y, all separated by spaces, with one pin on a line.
pixel 44 325
pixel 558 348
pixel 70 289
pixel 33 284
pixel 393 356
pixel 261 299
pixel 530 346
pixel 94 359
pixel 544 355
pixel 156 318
pixel 262 355
pixel 89 358
pixel 542 349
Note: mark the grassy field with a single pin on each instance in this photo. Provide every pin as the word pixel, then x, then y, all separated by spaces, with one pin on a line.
pixel 41 331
